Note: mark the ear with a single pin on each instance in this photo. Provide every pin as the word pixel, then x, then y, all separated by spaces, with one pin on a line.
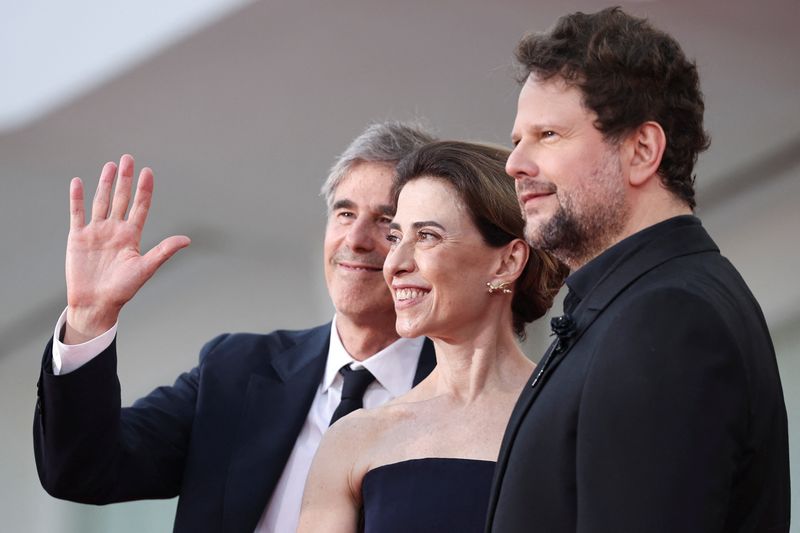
pixel 646 146
pixel 512 261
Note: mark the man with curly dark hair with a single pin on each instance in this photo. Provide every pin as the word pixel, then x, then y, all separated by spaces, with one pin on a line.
pixel 659 406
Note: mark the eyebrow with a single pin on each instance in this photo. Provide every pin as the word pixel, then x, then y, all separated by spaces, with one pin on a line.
pixel 418 225
pixel 387 210
pixel 344 203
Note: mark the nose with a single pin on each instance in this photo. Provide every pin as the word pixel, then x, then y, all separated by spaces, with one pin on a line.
pixel 399 261
pixel 520 164
pixel 362 235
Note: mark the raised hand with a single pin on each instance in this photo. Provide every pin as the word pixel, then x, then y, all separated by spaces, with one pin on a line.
pixel 105 267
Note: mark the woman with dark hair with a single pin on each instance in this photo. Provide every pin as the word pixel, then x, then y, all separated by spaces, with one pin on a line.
pixel 462 274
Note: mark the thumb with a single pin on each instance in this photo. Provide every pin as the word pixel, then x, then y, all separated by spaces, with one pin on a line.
pixel 159 254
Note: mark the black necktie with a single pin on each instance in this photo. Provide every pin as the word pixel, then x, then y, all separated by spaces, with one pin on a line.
pixel 355 383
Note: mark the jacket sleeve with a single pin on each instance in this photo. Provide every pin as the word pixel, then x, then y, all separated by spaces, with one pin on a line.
pixel 663 416
pixel 90 450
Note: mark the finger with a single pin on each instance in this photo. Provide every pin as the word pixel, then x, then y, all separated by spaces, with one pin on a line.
pixel 158 255
pixel 77 217
pixel 144 195
pixel 122 192
pixel 102 195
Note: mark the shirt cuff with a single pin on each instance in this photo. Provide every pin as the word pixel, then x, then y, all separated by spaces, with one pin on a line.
pixel 69 357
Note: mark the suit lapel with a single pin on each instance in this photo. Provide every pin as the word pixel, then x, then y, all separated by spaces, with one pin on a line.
pixel 276 405
pixel 681 241
pixel 517 414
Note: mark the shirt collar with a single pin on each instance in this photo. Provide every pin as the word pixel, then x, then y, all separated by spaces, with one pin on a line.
pixel 583 280
pixel 393 367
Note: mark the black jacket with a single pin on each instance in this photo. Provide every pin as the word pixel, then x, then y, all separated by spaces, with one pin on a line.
pixel 219 437
pixel 662 408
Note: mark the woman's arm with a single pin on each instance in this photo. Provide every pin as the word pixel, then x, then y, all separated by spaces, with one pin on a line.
pixel 332 497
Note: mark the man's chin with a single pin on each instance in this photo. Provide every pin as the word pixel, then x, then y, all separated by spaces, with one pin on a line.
pixel 535 221
pixel 362 301
pixel 534 236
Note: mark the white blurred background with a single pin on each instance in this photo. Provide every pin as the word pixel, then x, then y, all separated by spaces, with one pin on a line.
pixel 240 107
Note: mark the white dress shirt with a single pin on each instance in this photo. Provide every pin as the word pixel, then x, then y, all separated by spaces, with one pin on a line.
pixel 69 357
pixel 393 367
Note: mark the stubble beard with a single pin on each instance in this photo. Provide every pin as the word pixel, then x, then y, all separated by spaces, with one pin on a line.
pixel 589 219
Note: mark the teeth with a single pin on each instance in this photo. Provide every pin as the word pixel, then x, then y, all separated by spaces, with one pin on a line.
pixel 409 294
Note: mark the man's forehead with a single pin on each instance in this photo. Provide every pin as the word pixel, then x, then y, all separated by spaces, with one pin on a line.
pixel 366 183
pixel 555 91
pixel 350 204
pixel 550 100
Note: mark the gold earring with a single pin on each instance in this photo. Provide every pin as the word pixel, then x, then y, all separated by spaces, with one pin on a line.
pixel 500 287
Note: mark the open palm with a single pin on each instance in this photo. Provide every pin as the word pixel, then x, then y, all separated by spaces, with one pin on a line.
pixel 104 265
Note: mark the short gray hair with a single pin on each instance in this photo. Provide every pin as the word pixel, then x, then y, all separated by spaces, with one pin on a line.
pixel 381 142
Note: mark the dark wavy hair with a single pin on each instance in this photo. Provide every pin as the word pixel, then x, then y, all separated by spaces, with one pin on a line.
pixel 477 172
pixel 629 73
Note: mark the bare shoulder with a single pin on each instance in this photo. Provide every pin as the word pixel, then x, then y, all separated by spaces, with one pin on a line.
pixel 351 444
pixel 354 432
pixel 359 433
pixel 332 494
pixel 387 416
pixel 349 449
pixel 363 434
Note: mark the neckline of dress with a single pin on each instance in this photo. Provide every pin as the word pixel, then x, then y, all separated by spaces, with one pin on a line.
pixel 409 462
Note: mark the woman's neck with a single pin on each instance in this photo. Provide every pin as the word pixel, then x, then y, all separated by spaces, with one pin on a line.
pixel 490 361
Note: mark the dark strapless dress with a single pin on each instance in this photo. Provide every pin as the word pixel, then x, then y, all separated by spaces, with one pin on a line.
pixel 432 495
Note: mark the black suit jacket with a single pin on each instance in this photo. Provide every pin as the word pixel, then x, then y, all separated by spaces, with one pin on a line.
pixel 662 412
pixel 219 437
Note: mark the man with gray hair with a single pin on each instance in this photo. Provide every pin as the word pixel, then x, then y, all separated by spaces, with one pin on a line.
pixel 233 437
